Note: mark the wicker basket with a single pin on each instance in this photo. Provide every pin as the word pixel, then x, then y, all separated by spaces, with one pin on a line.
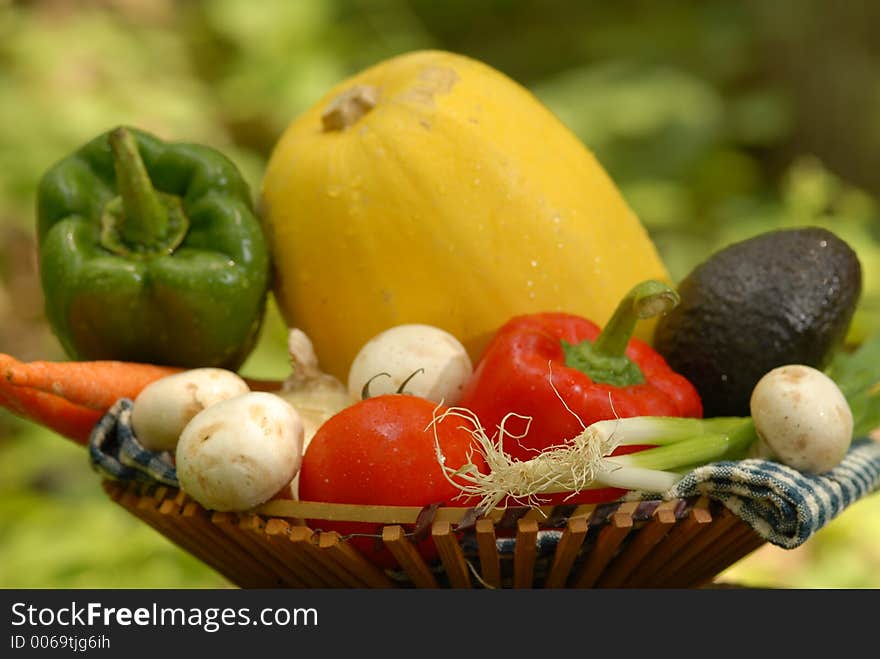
pixel 680 543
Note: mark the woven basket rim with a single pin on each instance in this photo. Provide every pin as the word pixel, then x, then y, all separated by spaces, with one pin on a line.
pixel 300 509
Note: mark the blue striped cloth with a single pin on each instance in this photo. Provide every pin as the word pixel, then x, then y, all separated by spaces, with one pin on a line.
pixel 116 454
pixel 783 505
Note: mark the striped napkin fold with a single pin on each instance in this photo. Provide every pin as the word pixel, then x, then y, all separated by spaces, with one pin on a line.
pixel 783 505
pixel 116 454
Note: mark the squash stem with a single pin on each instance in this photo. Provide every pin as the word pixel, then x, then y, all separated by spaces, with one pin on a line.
pixel 347 109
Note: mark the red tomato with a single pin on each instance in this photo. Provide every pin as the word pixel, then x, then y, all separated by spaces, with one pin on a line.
pixel 380 451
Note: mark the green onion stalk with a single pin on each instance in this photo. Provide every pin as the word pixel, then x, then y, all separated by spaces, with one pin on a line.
pixel 586 462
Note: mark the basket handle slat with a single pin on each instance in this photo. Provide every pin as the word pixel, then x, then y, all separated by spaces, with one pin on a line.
pixel 451 555
pixel 278 536
pixel 351 560
pixel 157 493
pixel 487 550
pixel 744 542
pixel 302 539
pixel 644 540
pixel 170 510
pixel 697 518
pixel 567 551
pixel 142 502
pixel 524 553
pixel 242 569
pixel 227 524
pixel 735 531
pixel 607 542
pixel 112 489
pixel 210 546
pixel 235 560
pixel 252 526
pixel 241 527
pixel 677 573
pixel 145 507
pixel 320 552
pixel 408 557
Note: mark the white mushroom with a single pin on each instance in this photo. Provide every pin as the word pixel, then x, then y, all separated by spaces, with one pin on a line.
pixel 802 418
pixel 164 407
pixel 240 452
pixel 429 361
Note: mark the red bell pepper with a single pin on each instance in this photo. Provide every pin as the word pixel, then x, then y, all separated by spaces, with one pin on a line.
pixel 595 374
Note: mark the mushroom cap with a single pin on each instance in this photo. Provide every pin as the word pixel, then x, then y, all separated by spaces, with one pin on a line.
pixel 802 418
pixel 436 359
pixel 240 452
pixel 164 407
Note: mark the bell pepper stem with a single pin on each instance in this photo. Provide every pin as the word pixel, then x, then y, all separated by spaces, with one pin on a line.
pixel 647 299
pixel 605 360
pixel 144 219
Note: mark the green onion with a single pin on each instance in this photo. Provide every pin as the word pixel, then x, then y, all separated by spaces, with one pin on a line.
pixel 586 462
pixel 661 430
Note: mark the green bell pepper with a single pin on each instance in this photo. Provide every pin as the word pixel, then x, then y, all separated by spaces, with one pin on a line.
pixel 151 252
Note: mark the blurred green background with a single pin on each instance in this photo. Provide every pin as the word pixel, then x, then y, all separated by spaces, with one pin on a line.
pixel 718 119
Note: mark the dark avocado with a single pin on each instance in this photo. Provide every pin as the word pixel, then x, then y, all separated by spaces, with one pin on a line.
pixel 782 297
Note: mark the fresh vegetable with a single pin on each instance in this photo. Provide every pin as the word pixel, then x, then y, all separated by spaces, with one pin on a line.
pixel 53 412
pixel 151 252
pixel 426 360
pixel 69 398
pixel 92 384
pixel 433 189
pixel 163 409
pixel 380 451
pixel 587 462
pixel 316 395
pixel 563 374
pixel 238 453
pixel 802 418
pixel 781 297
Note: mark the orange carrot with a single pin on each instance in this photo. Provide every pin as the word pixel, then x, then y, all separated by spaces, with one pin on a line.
pixel 61 416
pixel 70 397
pixel 96 385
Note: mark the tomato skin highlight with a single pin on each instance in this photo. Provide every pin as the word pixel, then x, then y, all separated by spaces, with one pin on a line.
pixel 380 451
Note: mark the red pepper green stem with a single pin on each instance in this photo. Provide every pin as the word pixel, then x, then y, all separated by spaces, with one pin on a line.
pixel 604 359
